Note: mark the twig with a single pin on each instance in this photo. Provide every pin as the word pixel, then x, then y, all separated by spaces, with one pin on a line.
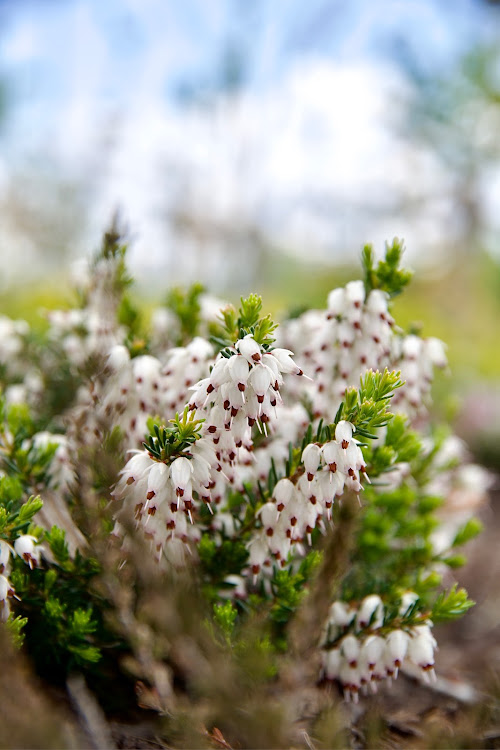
pixel 90 713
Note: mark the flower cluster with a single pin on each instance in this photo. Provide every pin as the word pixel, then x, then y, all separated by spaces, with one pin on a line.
pixel 367 650
pixel 296 509
pixel 463 485
pixel 93 329
pixel 242 391
pixel 357 333
pixel 27 548
pixel 160 496
pixel 130 390
pixel 271 439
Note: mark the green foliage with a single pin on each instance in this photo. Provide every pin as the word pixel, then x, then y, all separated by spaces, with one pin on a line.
pixel 247 320
pixel 404 441
pixel 393 546
pixel 58 545
pixel 387 275
pixel 249 312
pixel 225 618
pixel 18 455
pixel 471 529
pixel 16 516
pixel 256 657
pixel 289 588
pixel 187 308
pixel 167 443
pixel 72 630
pixel 64 616
pixel 219 560
pixel 455 561
pixel 28 510
pixel 451 605
pixel 15 627
pixel 18 420
pixel 129 316
pixel 366 407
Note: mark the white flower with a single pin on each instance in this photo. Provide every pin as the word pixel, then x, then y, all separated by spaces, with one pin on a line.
pixel 181 471
pixel 370 656
pixel 283 493
pixel 260 379
pixel 118 357
pixel 371 612
pixel 343 433
pixel 6 593
pixel 6 589
pixel 259 553
pixel 25 548
pixel 311 456
pixel 408 599
pixel 269 515
pixel 341 614
pixel 332 662
pixel 285 361
pixel 350 648
pixel 396 647
pixel 5 551
pixel 336 302
pixel 421 648
pixel 157 480
pixel 239 370
pixel 249 349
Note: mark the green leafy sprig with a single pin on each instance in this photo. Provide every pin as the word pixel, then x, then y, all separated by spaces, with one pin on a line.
pixel 246 320
pixel 185 304
pixel 168 443
pixel 450 605
pixel 387 275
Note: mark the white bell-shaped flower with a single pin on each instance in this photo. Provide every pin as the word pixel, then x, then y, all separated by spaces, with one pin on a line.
pixel 371 612
pixel 181 471
pixel 25 547
pixel 396 647
pixel 341 614
pixel 350 648
pixel 249 349
pixel 283 492
pixel 311 457
pixel 343 433
pixel 332 662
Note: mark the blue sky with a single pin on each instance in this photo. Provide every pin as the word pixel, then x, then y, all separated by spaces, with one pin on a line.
pixel 44 43
pixel 308 127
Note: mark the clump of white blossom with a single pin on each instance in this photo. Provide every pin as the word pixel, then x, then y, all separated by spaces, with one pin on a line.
pixel 366 651
pixel 250 436
pixel 356 333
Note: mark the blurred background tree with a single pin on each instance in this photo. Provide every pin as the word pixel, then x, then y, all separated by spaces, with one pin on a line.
pixel 258 147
